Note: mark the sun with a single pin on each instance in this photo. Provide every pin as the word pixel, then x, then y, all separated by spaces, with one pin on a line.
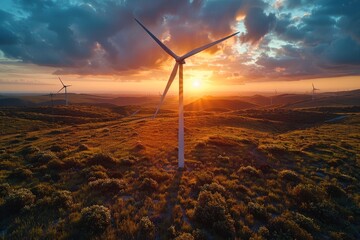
pixel 196 84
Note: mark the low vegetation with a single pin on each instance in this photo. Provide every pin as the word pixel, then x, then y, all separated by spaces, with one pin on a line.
pixel 252 174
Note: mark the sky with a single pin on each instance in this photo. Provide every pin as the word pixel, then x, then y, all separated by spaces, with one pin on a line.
pixel 96 45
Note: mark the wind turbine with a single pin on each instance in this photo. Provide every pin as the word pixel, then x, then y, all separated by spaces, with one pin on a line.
pixel 179 62
pixel 314 91
pixel 51 95
pixel 64 87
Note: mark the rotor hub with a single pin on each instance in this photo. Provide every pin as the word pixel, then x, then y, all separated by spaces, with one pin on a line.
pixel 180 61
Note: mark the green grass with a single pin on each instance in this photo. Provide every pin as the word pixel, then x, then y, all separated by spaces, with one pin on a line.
pixel 254 174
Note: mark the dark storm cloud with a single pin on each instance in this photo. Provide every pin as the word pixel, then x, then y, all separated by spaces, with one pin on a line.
pixel 327 40
pixel 257 24
pixel 101 37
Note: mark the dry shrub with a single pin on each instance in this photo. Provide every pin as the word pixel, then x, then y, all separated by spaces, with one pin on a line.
pixel 289 176
pixel 21 174
pixel 43 157
pixel 107 186
pixel 29 150
pixel 149 184
pixel 102 159
pixel 335 192
pixel 83 147
pixel 146 229
pixel 249 170
pixel 158 175
pixel 205 177
pixel 18 199
pixel 211 212
pixel 307 193
pixel 185 236
pixel 56 148
pixel 213 188
pixel 258 211
pixel 94 220
pixel 283 228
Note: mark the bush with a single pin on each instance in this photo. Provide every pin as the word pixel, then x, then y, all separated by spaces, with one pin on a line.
pixel 305 222
pixel 335 192
pixel 204 178
pixel 184 236
pixel 289 176
pixel 29 150
pixel 107 186
pixel 245 233
pixel 4 189
pixel 94 220
pixel 94 173
pixel 21 174
pixel 149 184
pixel 323 210
pixel 83 147
pixel 157 175
pixel 102 159
pixel 146 229
pixel 41 190
pixel 62 199
pixel 306 193
pixel 55 148
pixel 211 212
pixel 249 170
pixel 199 234
pixel 18 199
pixel 213 188
pixel 55 165
pixel 43 157
pixel 259 211
pixel 282 228
pixel 127 162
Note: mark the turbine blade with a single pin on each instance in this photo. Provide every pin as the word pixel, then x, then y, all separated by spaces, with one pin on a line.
pixel 313 86
pixel 197 50
pixel 166 49
pixel 171 79
pixel 61 82
pixel 61 89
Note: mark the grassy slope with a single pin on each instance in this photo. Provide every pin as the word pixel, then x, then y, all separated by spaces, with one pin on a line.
pixel 253 174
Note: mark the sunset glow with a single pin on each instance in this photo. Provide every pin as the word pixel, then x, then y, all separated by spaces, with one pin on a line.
pixel 274 45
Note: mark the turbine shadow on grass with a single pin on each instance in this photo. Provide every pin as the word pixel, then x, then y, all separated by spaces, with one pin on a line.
pixel 172 201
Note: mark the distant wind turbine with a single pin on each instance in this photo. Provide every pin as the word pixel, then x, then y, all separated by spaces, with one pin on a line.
pixel 271 98
pixel 314 91
pixel 179 62
pixel 51 95
pixel 64 87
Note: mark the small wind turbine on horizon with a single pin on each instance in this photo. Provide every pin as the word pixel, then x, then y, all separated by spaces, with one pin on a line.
pixel 271 98
pixel 64 87
pixel 314 91
pixel 51 95
pixel 179 62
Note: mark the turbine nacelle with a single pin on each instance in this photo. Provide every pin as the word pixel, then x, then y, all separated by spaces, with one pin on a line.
pixel 180 61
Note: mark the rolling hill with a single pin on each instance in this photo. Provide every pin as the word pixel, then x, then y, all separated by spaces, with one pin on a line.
pixel 217 104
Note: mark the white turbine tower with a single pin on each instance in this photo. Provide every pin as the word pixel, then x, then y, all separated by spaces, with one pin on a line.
pixel 64 87
pixel 314 91
pixel 179 62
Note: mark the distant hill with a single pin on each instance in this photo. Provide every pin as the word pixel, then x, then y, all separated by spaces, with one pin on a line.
pixel 15 102
pixel 218 104
pixel 338 99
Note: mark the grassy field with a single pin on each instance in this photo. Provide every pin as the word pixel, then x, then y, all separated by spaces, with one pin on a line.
pixel 85 172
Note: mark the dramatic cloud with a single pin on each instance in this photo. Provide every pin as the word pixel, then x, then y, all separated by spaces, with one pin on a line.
pixel 283 39
pixel 257 24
